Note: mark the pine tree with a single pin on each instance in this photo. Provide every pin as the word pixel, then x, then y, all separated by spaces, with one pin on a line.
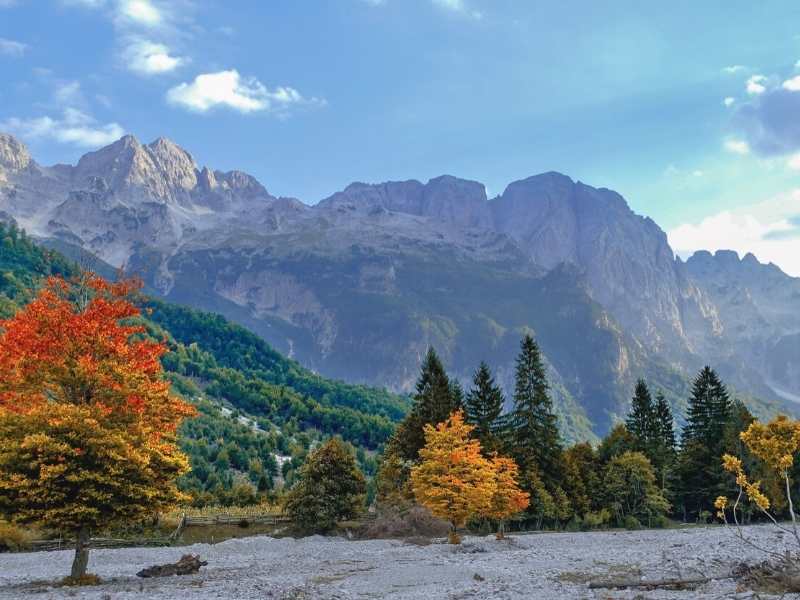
pixel 483 407
pixel 665 425
pixel 664 450
pixel 709 409
pixel 436 398
pixel 641 419
pixel 537 444
pixel 700 475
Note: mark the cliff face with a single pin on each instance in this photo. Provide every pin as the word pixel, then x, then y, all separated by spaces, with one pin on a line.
pixel 360 284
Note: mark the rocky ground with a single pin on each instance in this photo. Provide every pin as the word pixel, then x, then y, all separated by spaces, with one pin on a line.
pixel 548 566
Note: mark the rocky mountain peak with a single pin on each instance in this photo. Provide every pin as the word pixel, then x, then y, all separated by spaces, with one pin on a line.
pixel 176 164
pixel 14 154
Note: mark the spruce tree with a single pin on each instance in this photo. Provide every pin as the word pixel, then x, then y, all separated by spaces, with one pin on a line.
pixel 641 419
pixel 537 444
pixel 700 475
pixel 483 407
pixel 435 399
pixel 665 425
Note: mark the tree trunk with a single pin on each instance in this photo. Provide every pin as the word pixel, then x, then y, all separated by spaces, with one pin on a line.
pixel 81 561
pixel 501 531
pixel 452 536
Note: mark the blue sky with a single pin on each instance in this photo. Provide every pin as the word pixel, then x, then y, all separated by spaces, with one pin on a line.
pixel 690 109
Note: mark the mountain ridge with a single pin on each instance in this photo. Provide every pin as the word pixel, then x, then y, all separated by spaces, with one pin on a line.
pixel 358 285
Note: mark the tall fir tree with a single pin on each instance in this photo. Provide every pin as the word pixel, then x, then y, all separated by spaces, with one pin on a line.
pixel 536 439
pixel 709 409
pixel 699 472
pixel 665 423
pixel 641 422
pixel 483 408
pixel 435 399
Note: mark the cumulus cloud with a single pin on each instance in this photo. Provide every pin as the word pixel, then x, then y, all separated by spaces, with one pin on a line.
pixel 770 122
pixel 793 84
pixel 12 47
pixel 228 89
pixel 150 58
pixel 756 85
pixel 141 12
pixel 73 127
pixel 770 230
pixel 729 101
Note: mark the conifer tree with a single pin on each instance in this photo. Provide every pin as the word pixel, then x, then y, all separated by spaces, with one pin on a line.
pixel 537 444
pixel 709 409
pixel 435 399
pixel 665 425
pixel 700 475
pixel 641 419
pixel 483 407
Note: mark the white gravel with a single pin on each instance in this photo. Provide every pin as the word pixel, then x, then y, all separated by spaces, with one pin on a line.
pixel 547 566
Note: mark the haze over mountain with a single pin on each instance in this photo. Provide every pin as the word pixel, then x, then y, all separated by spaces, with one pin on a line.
pixel 358 285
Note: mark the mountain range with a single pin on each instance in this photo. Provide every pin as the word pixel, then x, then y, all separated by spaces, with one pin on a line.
pixel 358 285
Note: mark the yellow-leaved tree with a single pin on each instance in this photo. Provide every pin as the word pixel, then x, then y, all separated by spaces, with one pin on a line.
pixel 453 479
pixel 508 499
pixel 775 444
pixel 88 425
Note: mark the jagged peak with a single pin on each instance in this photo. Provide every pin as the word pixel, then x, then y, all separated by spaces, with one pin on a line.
pixel 13 153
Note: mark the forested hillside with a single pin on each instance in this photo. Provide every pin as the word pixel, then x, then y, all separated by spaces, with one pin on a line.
pixel 259 412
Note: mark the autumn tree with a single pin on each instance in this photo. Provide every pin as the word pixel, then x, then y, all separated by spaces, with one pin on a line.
pixel 453 479
pixel 330 488
pixel 508 499
pixel 87 422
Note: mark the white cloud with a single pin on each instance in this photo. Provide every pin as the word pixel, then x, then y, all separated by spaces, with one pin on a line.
pixel 141 12
pixel 755 85
pixel 458 6
pixel 228 89
pixel 12 47
pixel 74 127
pixel 69 94
pixel 737 146
pixel 793 84
pixel 729 101
pixel 770 230
pixel 150 58
pixel 733 69
pixel 794 162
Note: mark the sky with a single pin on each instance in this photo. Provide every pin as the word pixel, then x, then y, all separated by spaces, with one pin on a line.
pixel 691 110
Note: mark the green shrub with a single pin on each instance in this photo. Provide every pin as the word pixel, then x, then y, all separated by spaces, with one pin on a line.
pixel 597 519
pixel 631 523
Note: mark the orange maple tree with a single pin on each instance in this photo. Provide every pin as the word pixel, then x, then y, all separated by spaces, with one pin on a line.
pixel 88 426
pixel 453 479
pixel 508 499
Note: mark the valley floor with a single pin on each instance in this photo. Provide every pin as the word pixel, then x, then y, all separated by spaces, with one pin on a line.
pixel 547 566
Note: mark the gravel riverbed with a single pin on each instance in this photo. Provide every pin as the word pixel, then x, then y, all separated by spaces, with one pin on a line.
pixel 545 565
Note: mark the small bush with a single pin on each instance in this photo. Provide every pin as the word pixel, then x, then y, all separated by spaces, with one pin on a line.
pixel 87 579
pixel 574 524
pixel 597 520
pixel 631 523
pixel 14 538
pixel 659 522
pixel 415 522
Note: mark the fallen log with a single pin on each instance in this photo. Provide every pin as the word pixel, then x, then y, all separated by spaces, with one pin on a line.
pixel 187 565
pixel 654 583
